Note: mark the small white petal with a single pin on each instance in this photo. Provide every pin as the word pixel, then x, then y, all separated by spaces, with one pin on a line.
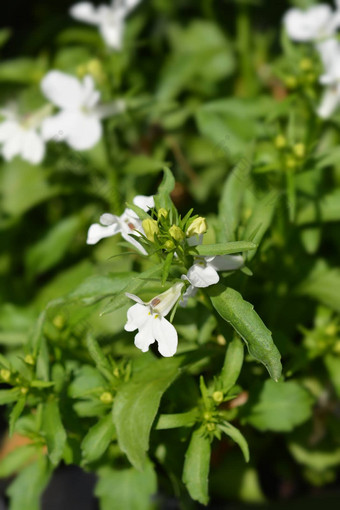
pixel 33 149
pixel 145 336
pixel 97 232
pixel 134 298
pixel 86 132
pixel 202 275
pixel 108 219
pixel 112 32
pixel 314 23
pixel 190 292
pixel 8 128
pixel 137 316
pixel 227 262
pixel 63 90
pixel 85 11
pixel 144 202
pixel 13 146
pixel 163 303
pixel 166 336
pixel 329 102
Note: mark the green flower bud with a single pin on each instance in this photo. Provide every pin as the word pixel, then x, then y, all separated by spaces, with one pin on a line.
pixel 169 245
pixel 306 64
pixel 106 397
pixel 217 396
pixel 299 150
pixel 59 321
pixel 150 228
pixel 5 374
pixel 29 359
pixel 291 82
pixel 197 227
pixel 176 233
pixel 211 427
pixel 290 163
pixel 280 142
pixel 24 390
pixel 162 213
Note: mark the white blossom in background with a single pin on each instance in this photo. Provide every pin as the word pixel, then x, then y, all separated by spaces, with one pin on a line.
pixel 79 121
pixel 331 79
pixel 149 319
pixel 110 19
pixel 126 224
pixel 20 136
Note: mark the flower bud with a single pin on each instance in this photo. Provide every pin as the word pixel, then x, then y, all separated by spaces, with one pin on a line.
pixel 176 233
pixel 5 374
pixel 24 390
pixel 290 163
pixel 106 397
pixel 162 213
pixel 306 64
pixel 150 228
pixel 291 82
pixel 169 245
pixel 217 396
pixel 29 359
pixel 280 142
pixel 197 227
pixel 211 427
pixel 299 150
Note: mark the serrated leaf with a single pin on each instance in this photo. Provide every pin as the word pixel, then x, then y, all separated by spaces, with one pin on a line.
pixel 241 315
pixel 53 428
pixel 98 438
pixel 26 490
pixel 126 489
pixel 236 436
pixel 225 248
pixel 196 467
pixel 278 406
pixel 136 405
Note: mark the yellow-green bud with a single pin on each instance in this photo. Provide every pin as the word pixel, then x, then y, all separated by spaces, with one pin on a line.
pixel 150 228
pixel 290 163
pixel 29 359
pixel 207 415
pixel 331 330
pixel 299 150
pixel 106 397
pixel 116 372
pixel 217 396
pixel 59 321
pixel 291 82
pixel 24 390
pixel 162 213
pixel 197 227
pixel 176 233
pixel 95 68
pixel 336 347
pixel 306 64
pixel 169 245
pixel 5 374
pixel 280 142
pixel 211 427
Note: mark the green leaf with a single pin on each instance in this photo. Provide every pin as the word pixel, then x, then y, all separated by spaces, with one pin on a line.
pixel 241 315
pixel 26 490
pixel 332 363
pixel 324 210
pixel 5 34
pixel 136 405
pixel 17 458
pixel 278 406
pixel 143 165
pixel 232 364
pixel 8 396
pixel 99 358
pixel 196 467
pixel 236 436
pixel 23 70
pixel 172 421
pixel 315 457
pixel 53 428
pixel 126 489
pixel 16 412
pixel 51 249
pixel 323 285
pixel 225 248
pixel 98 286
pixel 162 199
pixel 98 438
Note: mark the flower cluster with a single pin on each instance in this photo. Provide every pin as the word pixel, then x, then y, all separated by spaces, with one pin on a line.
pixel 319 25
pixel 173 239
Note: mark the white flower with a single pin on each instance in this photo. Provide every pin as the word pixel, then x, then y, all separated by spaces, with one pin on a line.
pixel 126 224
pixel 110 19
pixel 203 272
pixel 314 24
pixel 78 122
pixel 149 319
pixel 19 136
pixel 331 78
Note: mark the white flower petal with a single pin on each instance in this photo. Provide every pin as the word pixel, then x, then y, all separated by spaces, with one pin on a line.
pixel 227 262
pixel 134 298
pixel 202 275
pixel 63 90
pixel 163 303
pixel 190 292
pixel 97 232
pixel 134 242
pixel 13 146
pixel 329 102
pixel 145 337
pixel 86 12
pixel 33 149
pixel 314 23
pixel 137 316
pixel 166 336
pixel 112 32
pixel 86 132
pixel 8 128
pixel 108 219
pixel 144 202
